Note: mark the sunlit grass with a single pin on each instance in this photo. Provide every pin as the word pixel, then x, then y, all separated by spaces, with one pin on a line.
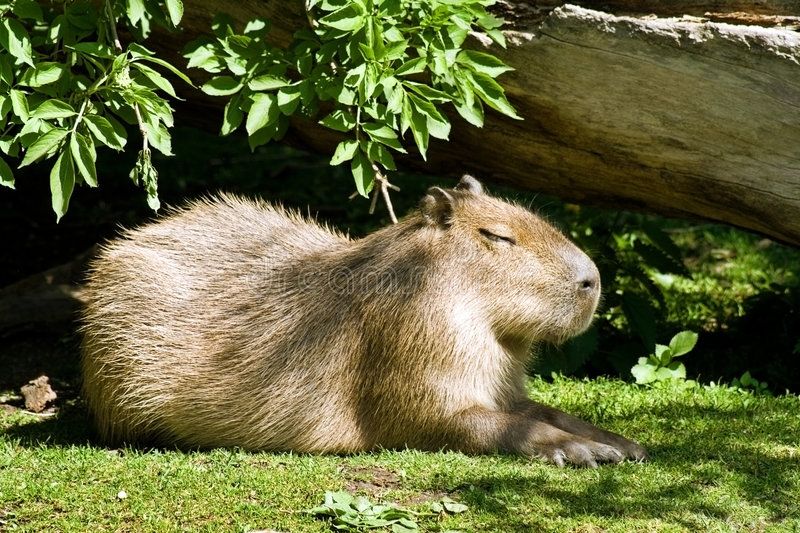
pixel 722 460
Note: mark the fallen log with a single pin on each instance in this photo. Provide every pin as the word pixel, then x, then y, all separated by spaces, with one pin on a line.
pixel 677 115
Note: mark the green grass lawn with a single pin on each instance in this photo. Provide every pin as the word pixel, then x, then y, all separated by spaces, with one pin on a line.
pixel 722 460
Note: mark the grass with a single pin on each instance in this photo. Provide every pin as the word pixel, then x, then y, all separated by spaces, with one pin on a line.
pixel 722 460
pixel 728 267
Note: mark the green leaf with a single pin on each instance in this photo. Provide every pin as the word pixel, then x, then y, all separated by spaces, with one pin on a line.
pixel 51 109
pixel 232 117
pixel 159 137
pixel 94 49
pixel 436 125
pixel 205 56
pixel 383 134
pixel 6 71
pixel 412 66
pixel 135 10
pixel 678 370
pixel 15 39
pixel 483 63
pixel 663 354
pixel 263 112
pixel 222 86
pixel 394 50
pixel 683 343
pixel 19 104
pixel 62 181
pixel 156 79
pixel 140 53
pixel 428 92
pixel 492 94
pixel 28 9
pixel 288 99
pixel 362 173
pixel 471 113
pixel 350 18
pixel 643 372
pixel 256 26
pixel 675 370
pixel 403 528
pixel 274 131
pixel 175 10
pixel 419 129
pixel 43 146
pixel 497 36
pixel 267 82
pixel 43 73
pixel 344 152
pixel 83 153
pixel 454 507
pixel 6 174
pixel 105 131
pixel 394 93
pixel 339 120
pixel 377 152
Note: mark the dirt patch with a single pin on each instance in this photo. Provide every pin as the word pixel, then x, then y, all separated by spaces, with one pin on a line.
pixel 373 480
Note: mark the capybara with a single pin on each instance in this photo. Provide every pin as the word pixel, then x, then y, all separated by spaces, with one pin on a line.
pixel 233 322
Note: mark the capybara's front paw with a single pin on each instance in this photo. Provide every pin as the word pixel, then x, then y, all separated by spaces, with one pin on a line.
pixel 631 449
pixel 579 452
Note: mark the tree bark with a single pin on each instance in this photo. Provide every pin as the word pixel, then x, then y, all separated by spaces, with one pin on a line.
pixel 672 114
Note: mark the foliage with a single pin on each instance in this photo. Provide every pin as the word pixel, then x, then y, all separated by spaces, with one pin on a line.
pixel 67 86
pixel 748 382
pixel 661 365
pixel 357 513
pixel 376 69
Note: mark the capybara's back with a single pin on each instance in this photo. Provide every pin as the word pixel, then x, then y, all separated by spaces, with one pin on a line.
pixel 195 328
pixel 233 322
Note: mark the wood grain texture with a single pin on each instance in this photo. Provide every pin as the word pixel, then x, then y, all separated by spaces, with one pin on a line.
pixel 679 116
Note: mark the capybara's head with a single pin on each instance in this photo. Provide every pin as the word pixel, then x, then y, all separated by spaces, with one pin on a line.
pixel 530 281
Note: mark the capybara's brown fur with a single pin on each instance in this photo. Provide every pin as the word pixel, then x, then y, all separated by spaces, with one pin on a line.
pixel 233 322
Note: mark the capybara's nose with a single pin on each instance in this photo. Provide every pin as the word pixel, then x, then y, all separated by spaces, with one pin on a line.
pixel 588 278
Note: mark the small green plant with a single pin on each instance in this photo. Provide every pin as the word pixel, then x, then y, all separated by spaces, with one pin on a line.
pixel 373 69
pixel 660 365
pixel 356 513
pixel 748 382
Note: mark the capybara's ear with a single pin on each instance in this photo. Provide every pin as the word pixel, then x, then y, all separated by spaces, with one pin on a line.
pixel 437 206
pixel 470 184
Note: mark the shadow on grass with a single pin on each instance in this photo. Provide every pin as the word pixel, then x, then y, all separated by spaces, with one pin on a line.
pixel 71 426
